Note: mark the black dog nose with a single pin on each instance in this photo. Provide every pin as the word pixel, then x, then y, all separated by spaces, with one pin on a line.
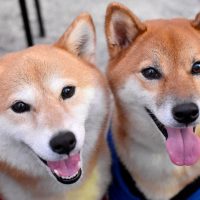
pixel 185 113
pixel 63 142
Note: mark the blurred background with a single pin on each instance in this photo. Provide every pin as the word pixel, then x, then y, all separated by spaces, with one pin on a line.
pixel 58 14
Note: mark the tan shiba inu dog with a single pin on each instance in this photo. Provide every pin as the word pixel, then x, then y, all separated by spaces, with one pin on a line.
pixel 54 109
pixel 154 73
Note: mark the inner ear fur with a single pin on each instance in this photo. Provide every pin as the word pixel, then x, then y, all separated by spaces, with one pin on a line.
pixel 121 28
pixel 196 21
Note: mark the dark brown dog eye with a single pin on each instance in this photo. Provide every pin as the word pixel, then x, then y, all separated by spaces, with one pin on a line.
pixel 20 107
pixel 67 92
pixel 196 68
pixel 151 73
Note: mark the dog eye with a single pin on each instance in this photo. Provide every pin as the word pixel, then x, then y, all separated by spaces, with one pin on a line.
pixel 196 68
pixel 151 73
pixel 20 107
pixel 67 92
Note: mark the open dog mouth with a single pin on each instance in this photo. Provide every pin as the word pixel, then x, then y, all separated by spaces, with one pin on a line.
pixel 182 144
pixel 66 171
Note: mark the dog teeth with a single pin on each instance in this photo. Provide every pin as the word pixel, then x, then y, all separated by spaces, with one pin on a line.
pixel 56 172
pixel 64 177
pixel 79 164
pixel 69 177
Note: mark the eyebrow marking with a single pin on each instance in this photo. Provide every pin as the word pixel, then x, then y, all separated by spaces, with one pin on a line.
pixel 56 83
pixel 26 94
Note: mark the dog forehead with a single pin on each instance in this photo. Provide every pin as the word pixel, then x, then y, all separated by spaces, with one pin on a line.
pixel 45 63
pixel 170 37
pixel 168 41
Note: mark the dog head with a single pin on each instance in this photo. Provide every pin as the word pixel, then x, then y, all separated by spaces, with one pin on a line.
pixel 154 73
pixel 53 105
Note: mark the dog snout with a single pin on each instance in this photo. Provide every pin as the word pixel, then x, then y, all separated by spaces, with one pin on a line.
pixel 185 113
pixel 63 142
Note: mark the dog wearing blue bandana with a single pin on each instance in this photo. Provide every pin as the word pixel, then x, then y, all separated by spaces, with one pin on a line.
pixel 154 74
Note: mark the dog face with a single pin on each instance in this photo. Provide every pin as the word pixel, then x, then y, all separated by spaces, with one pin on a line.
pixel 50 96
pixel 154 73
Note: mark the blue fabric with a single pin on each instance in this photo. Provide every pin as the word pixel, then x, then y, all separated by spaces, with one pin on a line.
pixel 195 196
pixel 117 189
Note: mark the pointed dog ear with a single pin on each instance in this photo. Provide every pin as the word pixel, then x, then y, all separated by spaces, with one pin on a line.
pixel 196 22
pixel 121 28
pixel 80 38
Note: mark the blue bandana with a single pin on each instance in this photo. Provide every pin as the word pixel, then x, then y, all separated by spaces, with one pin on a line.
pixel 118 189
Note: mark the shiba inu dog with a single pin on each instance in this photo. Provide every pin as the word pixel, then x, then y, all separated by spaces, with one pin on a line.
pixel 53 116
pixel 154 73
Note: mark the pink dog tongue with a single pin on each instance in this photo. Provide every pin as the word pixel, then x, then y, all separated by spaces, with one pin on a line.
pixel 66 168
pixel 183 146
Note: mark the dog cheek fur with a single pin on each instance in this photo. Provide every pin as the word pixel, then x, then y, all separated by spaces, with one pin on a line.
pixel 14 152
pixel 132 93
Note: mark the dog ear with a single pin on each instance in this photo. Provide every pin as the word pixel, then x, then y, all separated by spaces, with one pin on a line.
pixel 121 28
pixel 196 22
pixel 80 38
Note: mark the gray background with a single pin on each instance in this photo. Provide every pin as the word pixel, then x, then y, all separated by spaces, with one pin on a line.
pixel 58 14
